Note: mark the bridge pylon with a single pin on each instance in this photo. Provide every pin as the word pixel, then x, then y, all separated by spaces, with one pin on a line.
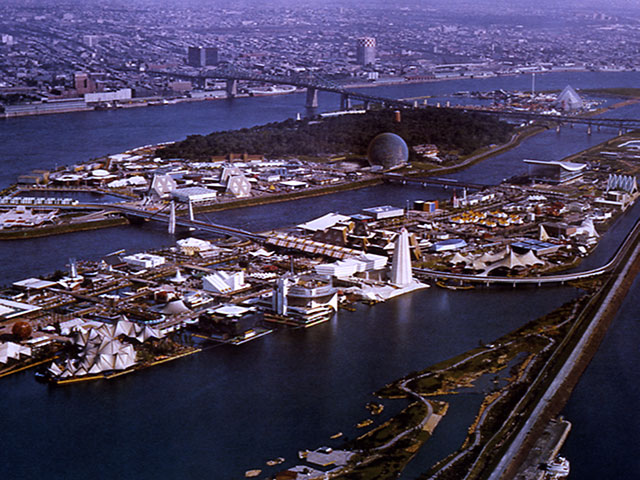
pixel 232 87
pixel 345 102
pixel 312 97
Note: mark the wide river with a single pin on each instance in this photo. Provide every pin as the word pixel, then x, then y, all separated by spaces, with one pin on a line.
pixel 228 409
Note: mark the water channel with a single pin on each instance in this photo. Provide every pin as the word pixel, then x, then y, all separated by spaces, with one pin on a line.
pixel 228 409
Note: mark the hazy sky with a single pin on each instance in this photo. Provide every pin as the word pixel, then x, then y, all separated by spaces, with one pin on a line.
pixel 491 5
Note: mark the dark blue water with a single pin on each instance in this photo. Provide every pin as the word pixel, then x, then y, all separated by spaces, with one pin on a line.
pixel 217 413
pixel 603 407
pixel 220 412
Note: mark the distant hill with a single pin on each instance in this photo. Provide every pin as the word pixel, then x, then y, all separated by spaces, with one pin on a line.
pixel 348 134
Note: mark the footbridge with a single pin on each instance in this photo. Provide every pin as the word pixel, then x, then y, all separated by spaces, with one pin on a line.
pixel 186 222
pixel 312 83
pixel 275 239
pixel 426 181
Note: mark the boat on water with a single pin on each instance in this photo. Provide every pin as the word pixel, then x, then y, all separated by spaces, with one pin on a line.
pixel 271 90
pixel 453 286
pixel 558 469
pixel 364 423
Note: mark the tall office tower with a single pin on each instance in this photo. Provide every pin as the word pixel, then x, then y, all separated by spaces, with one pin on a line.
pixel 366 51
pixel 201 57
pixel 195 56
pixel 211 56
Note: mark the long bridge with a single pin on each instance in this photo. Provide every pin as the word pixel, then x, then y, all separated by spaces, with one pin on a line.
pixel 313 84
pixel 620 123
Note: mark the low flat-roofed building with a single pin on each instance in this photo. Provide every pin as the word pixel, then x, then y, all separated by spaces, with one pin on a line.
pixel 384 211
pixel 34 284
pixel 449 245
pixel 536 246
pixel 194 194
pixel 553 171
pixel 144 260
pixel 10 309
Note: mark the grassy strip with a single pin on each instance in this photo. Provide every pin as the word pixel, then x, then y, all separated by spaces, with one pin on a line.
pixel 386 463
pixel 615 92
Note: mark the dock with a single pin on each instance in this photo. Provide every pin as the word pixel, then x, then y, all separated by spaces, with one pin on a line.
pixel 545 450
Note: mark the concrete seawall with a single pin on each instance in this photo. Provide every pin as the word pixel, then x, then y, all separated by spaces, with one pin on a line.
pixel 559 391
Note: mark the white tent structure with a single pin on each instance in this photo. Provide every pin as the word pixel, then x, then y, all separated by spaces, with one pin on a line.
pixel 103 351
pixel 511 261
pixel 587 228
pixel 529 259
pixel 174 307
pixel 478 264
pixel 495 257
pixel 544 236
pixel 458 258
pixel 178 277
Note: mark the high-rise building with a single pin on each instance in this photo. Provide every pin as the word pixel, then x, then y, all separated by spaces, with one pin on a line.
pixel 210 56
pixel 366 51
pixel 202 56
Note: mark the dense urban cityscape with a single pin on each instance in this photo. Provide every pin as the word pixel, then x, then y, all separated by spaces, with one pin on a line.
pixel 64 51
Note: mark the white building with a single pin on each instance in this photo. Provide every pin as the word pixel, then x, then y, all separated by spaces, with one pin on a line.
pixel 122 94
pixel 144 260
pixel 224 283
pixel 385 211
pixel 194 194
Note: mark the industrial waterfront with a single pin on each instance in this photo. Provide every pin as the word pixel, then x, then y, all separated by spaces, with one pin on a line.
pixel 325 374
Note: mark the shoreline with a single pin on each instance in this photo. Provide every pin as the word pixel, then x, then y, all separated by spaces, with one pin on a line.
pixel 145 101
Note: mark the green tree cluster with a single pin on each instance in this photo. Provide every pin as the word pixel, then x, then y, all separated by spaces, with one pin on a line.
pixel 450 130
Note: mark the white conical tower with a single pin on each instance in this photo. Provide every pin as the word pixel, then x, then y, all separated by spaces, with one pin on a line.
pixel 172 219
pixel 401 273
